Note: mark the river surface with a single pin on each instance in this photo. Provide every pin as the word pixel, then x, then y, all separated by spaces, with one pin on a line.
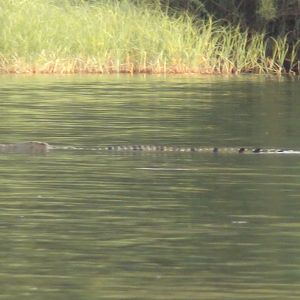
pixel 95 225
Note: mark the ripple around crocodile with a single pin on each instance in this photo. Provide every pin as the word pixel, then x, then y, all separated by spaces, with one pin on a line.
pixel 34 147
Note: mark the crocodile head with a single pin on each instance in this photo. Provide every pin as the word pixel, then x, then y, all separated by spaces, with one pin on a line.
pixel 32 147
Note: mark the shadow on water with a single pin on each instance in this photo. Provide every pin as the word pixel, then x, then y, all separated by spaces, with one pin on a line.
pixel 100 225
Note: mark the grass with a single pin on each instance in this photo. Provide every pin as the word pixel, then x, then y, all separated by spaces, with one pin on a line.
pixel 64 36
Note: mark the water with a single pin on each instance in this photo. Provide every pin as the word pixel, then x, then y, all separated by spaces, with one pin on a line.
pixel 97 225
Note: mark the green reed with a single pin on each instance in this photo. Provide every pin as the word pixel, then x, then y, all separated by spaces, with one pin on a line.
pixel 48 36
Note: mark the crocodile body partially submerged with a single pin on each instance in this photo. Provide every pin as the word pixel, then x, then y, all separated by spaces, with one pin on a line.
pixel 34 147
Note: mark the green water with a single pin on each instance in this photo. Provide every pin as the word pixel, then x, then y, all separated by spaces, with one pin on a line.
pixel 96 225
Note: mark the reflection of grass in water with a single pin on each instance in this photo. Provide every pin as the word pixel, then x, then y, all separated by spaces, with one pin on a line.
pixel 39 36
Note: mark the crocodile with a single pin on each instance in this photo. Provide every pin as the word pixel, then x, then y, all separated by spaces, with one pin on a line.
pixel 32 147
pixel 36 147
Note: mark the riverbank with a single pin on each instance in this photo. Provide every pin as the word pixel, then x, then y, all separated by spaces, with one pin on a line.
pixel 39 36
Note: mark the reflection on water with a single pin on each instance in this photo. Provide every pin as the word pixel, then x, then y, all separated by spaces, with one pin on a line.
pixel 98 225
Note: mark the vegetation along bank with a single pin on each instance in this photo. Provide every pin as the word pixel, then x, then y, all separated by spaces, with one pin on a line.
pixel 49 36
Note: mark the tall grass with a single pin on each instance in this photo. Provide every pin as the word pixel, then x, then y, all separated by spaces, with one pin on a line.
pixel 48 36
